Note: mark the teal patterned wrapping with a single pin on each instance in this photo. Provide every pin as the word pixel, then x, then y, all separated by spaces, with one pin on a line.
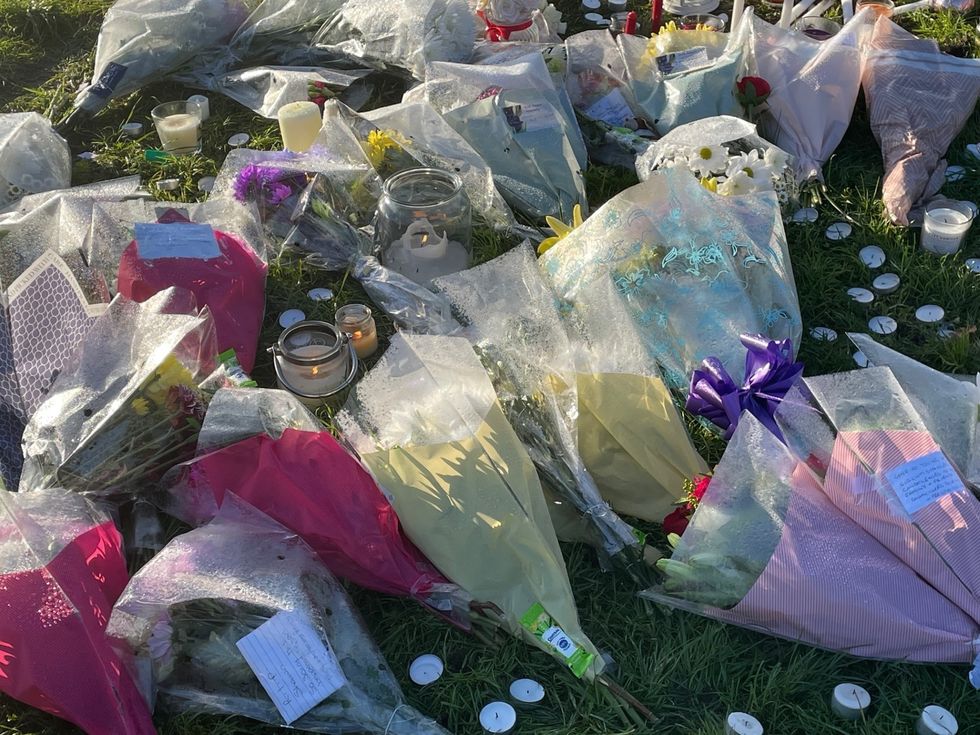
pixel 694 269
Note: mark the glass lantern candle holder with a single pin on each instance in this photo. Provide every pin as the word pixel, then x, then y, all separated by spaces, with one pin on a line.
pixel 179 126
pixel 424 226
pixel 314 361
pixel 356 321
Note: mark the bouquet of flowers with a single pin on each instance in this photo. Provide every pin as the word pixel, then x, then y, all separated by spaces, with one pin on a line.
pixel 63 568
pixel 511 318
pixel 129 408
pixel 33 158
pixel 201 613
pixel 726 155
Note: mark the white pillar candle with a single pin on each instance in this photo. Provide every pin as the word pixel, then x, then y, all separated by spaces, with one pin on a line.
pixel 737 10
pixel 847 9
pixel 935 720
pixel 786 16
pixel 299 124
pixel 739 723
pixel 850 701
pixel 944 227
pixel 498 717
pixel 179 133
pixel 204 105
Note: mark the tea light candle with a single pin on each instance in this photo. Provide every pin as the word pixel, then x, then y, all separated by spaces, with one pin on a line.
pixel 955 173
pixel 945 226
pixel 739 723
pixel 527 692
pixel 356 322
pixel 974 150
pixel 299 124
pixel 422 254
pixel 882 325
pixel 289 317
pixel 590 6
pixel 498 717
pixel 886 283
pixel 930 314
pixel 595 19
pixel 861 295
pixel 426 669
pixel 168 184
pixel 616 6
pixel 132 129
pixel 872 256
pixel 319 294
pixel 823 334
pixel 204 105
pixel 973 264
pixel 860 359
pixel 238 140
pixel 838 231
pixel 206 183
pixel 314 361
pixel 807 214
pixel 935 720
pixel 850 701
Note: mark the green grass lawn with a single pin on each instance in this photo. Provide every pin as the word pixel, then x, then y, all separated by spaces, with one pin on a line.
pixel 689 671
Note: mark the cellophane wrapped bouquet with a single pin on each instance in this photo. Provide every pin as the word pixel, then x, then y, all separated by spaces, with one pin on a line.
pixel 33 157
pixel 130 406
pixel 727 156
pixel 510 316
pixel 63 568
pixel 190 612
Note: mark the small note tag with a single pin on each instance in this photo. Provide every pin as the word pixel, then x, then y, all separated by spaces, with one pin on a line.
pixel 925 480
pixel 293 665
pixel 685 60
pixel 178 240
pixel 612 109
pixel 527 118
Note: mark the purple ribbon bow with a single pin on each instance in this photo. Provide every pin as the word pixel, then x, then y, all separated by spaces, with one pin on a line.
pixel 769 374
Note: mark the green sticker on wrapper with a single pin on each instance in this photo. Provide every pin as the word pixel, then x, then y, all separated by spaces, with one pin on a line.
pixel 543 627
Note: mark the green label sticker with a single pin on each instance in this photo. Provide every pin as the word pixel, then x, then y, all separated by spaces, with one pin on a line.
pixel 543 627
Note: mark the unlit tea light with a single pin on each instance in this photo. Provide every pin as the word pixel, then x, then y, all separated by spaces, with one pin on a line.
pixel 290 317
pixel 861 295
pixel 850 701
pixel 838 231
pixel 973 264
pixel 823 334
pixel 740 723
pixel 935 720
pixel 498 717
pixel 527 692
pixel 426 669
pixel 955 173
pixel 872 256
pixel 860 359
pixel 974 150
pixel 238 140
pixel 320 294
pixel 930 314
pixel 882 325
pixel 886 283
pixel 807 214
pixel 590 6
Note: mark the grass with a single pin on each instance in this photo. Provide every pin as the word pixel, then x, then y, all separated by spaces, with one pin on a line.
pixel 688 670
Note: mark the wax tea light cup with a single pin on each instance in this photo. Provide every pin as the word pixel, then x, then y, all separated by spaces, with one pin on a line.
pixel 807 215
pixel 930 314
pixel 356 322
pixel 817 28
pixel 498 717
pixel 882 325
pixel 955 173
pixel 238 140
pixel 872 256
pixel 861 295
pixel 314 361
pixel 616 6
pixel 423 226
pixel 886 283
pixel 740 723
pixel 823 334
pixel 973 264
pixel 290 317
pixel 849 701
pixel 945 226
pixel 860 359
pixel 426 669
pixel 526 693
pixel 590 6
pixel 838 231
pixel 935 720
pixel 299 124
pixel 179 126
pixel 711 22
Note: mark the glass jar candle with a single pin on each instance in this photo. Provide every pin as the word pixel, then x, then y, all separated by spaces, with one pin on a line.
pixel 356 322
pixel 179 126
pixel 817 28
pixel 314 361
pixel 945 225
pixel 423 225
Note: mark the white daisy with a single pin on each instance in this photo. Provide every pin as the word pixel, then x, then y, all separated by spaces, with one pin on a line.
pixel 752 166
pixel 776 160
pixel 707 159
pixel 738 183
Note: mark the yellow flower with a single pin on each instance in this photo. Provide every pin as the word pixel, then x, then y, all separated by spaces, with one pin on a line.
pixel 141 406
pixel 711 184
pixel 170 373
pixel 378 143
pixel 560 229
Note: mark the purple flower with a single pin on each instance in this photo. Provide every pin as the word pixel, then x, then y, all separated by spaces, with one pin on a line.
pixel 262 184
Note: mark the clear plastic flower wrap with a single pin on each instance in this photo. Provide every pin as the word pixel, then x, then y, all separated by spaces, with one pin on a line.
pixel 277 24
pixel 33 157
pixel 630 433
pixel 727 155
pixel 63 568
pixel 680 76
pixel 427 424
pixel 128 408
pixel 186 613
pixel 142 41
pixel 513 117
pixel 235 414
pixel 919 99
pixel 691 283
pixel 510 316
pixel 768 550
pixel 814 87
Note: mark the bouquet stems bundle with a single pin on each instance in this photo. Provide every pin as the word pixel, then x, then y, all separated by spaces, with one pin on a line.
pixel 510 317
pixel 187 612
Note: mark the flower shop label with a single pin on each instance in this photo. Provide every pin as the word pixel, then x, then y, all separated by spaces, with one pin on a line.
pixel 292 663
pixel 177 240
pixel 542 626
pixel 612 109
pixel 924 480
pixel 686 60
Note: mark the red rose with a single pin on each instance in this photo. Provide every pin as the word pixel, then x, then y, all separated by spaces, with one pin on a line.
pixel 701 486
pixel 677 521
pixel 752 91
pixel 320 101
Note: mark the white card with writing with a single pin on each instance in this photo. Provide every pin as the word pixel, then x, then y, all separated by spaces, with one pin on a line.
pixel 924 480
pixel 293 665
pixel 612 109
pixel 177 240
pixel 530 117
pixel 686 60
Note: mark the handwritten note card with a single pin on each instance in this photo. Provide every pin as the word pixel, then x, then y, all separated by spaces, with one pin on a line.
pixel 612 109
pixel 177 240
pixel 924 480
pixel 692 58
pixel 292 663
